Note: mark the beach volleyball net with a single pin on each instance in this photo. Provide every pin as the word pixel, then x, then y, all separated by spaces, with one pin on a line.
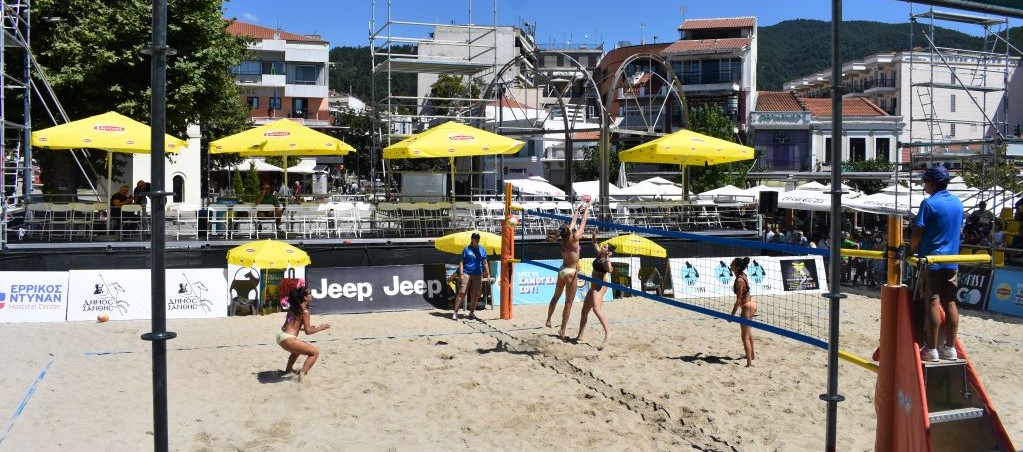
pixel 689 270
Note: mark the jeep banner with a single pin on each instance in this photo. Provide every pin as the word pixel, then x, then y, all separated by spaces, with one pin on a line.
pixel 364 289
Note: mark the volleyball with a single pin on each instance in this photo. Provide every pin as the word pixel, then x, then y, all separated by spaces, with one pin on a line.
pixel 587 198
pixel 103 317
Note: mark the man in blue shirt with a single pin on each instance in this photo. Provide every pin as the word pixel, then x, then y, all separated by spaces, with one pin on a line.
pixel 936 231
pixel 473 268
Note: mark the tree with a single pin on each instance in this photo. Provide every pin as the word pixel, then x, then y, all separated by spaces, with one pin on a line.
pixel 868 187
pixel 237 183
pixel 356 129
pixel 92 55
pixel 252 186
pixel 711 121
pixel 588 167
pixel 981 172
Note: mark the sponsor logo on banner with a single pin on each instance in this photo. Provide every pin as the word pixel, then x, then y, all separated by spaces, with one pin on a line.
pixel 1007 295
pixel 689 274
pixel 799 274
pixel 361 289
pixel 724 274
pixel 107 296
pixel 973 286
pixel 535 285
pixel 33 296
pixel 196 293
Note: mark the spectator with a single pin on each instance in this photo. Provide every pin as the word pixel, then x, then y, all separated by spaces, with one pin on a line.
pixel 768 234
pixel 119 199
pixel 267 196
pixel 141 187
pixel 997 237
pixel 936 231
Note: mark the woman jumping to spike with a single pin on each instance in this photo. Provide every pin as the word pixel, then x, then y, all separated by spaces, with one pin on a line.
pixel 569 235
pixel 595 296
pixel 298 320
pixel 744 301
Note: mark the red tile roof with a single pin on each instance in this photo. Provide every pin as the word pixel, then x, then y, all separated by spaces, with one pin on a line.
pixel 239 28
pixel 704 45
pixel 777 101
pixel 589 135
pixel 731 22
pixel 856 106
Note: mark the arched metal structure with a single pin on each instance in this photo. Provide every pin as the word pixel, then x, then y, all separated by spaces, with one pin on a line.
pixel 668 79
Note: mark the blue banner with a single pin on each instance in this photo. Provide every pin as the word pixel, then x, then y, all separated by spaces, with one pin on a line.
pixel 1006 293
pixel 533 284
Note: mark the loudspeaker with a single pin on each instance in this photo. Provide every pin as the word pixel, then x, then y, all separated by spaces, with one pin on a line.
pixel 768 202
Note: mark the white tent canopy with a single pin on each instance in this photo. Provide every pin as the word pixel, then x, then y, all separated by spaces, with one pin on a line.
pixel 259 163
pixel 813 200
pixel 304 166
pixel 592 188
pixel 812 186
pixel 886 203
pixel 536 186
pixel 648 191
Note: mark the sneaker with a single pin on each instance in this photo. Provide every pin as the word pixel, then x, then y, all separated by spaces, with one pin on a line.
pixel 454 315
pixel 472 316
pixel 928 354
pixel 946 352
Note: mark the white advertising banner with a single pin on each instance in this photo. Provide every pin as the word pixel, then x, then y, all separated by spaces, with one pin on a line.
pixel 126 294
pixel 33 296
pixel 196 293
pixel 768 275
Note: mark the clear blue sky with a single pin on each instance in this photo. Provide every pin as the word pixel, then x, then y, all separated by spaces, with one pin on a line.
pixel 346 22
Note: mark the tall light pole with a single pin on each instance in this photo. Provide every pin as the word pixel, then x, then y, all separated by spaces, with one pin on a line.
pixel 641 27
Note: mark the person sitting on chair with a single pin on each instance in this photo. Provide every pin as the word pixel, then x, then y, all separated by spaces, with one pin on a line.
pixel 267 196
pixel 117 200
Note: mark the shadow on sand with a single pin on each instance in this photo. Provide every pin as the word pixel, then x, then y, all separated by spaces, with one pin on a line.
pixel 711 359
pixel 275 376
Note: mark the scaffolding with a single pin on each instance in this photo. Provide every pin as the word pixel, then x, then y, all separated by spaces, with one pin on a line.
pixel 15 85
pixel 980 76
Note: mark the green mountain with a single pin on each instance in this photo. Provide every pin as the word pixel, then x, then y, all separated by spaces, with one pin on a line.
pixel 795 48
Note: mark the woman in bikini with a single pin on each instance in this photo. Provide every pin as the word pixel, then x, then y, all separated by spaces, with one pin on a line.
pixel 298 320
pixel 569 236
pixel 745 302
pixel 595 296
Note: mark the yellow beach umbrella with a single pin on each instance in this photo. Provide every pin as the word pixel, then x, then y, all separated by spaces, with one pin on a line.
pixel 456 242
pixel 637 245
pixel 266 254
pixel 109 131
pixel 451 140
pixel 112 132
pixel 686 147
pixel 281 138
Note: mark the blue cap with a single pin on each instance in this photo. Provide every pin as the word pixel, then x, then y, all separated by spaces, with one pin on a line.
pixel 937 174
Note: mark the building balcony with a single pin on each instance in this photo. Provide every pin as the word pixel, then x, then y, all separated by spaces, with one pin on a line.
pixel 294 90
pixel 323 120
pixel 261 80
pixel 879 86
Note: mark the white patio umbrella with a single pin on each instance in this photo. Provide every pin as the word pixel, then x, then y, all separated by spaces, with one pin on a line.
pixel 259 163
pixel 729 192
pixel 812 200
pixel 304 166
pixel 886 203
pixel 755 191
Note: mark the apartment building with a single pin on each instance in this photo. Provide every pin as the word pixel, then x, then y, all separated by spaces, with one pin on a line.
pixel 284 76
pixel 714 59
pixel 950 102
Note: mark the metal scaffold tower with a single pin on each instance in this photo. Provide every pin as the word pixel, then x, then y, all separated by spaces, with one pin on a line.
pixel 959 108
pixel 15 89
pixel 429 50
pixel 958 97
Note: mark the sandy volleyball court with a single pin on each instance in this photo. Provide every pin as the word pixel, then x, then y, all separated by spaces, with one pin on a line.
pixel 670 380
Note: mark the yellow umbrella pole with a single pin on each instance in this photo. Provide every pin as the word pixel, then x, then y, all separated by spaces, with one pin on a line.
pixel 451 163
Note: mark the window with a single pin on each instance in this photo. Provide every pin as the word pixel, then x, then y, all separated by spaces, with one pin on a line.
pixel 273 67
pixel 561 61
pixel 781 136
pixel 827 151
pixel 253 101
pixel 299 107
pixel 951 130
pixel 691 72
pixel 881 148
pixel 246 68
pixel 178 185
pixel 952 103
pixel 857 149
pixel 275 103
pixel 306 74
